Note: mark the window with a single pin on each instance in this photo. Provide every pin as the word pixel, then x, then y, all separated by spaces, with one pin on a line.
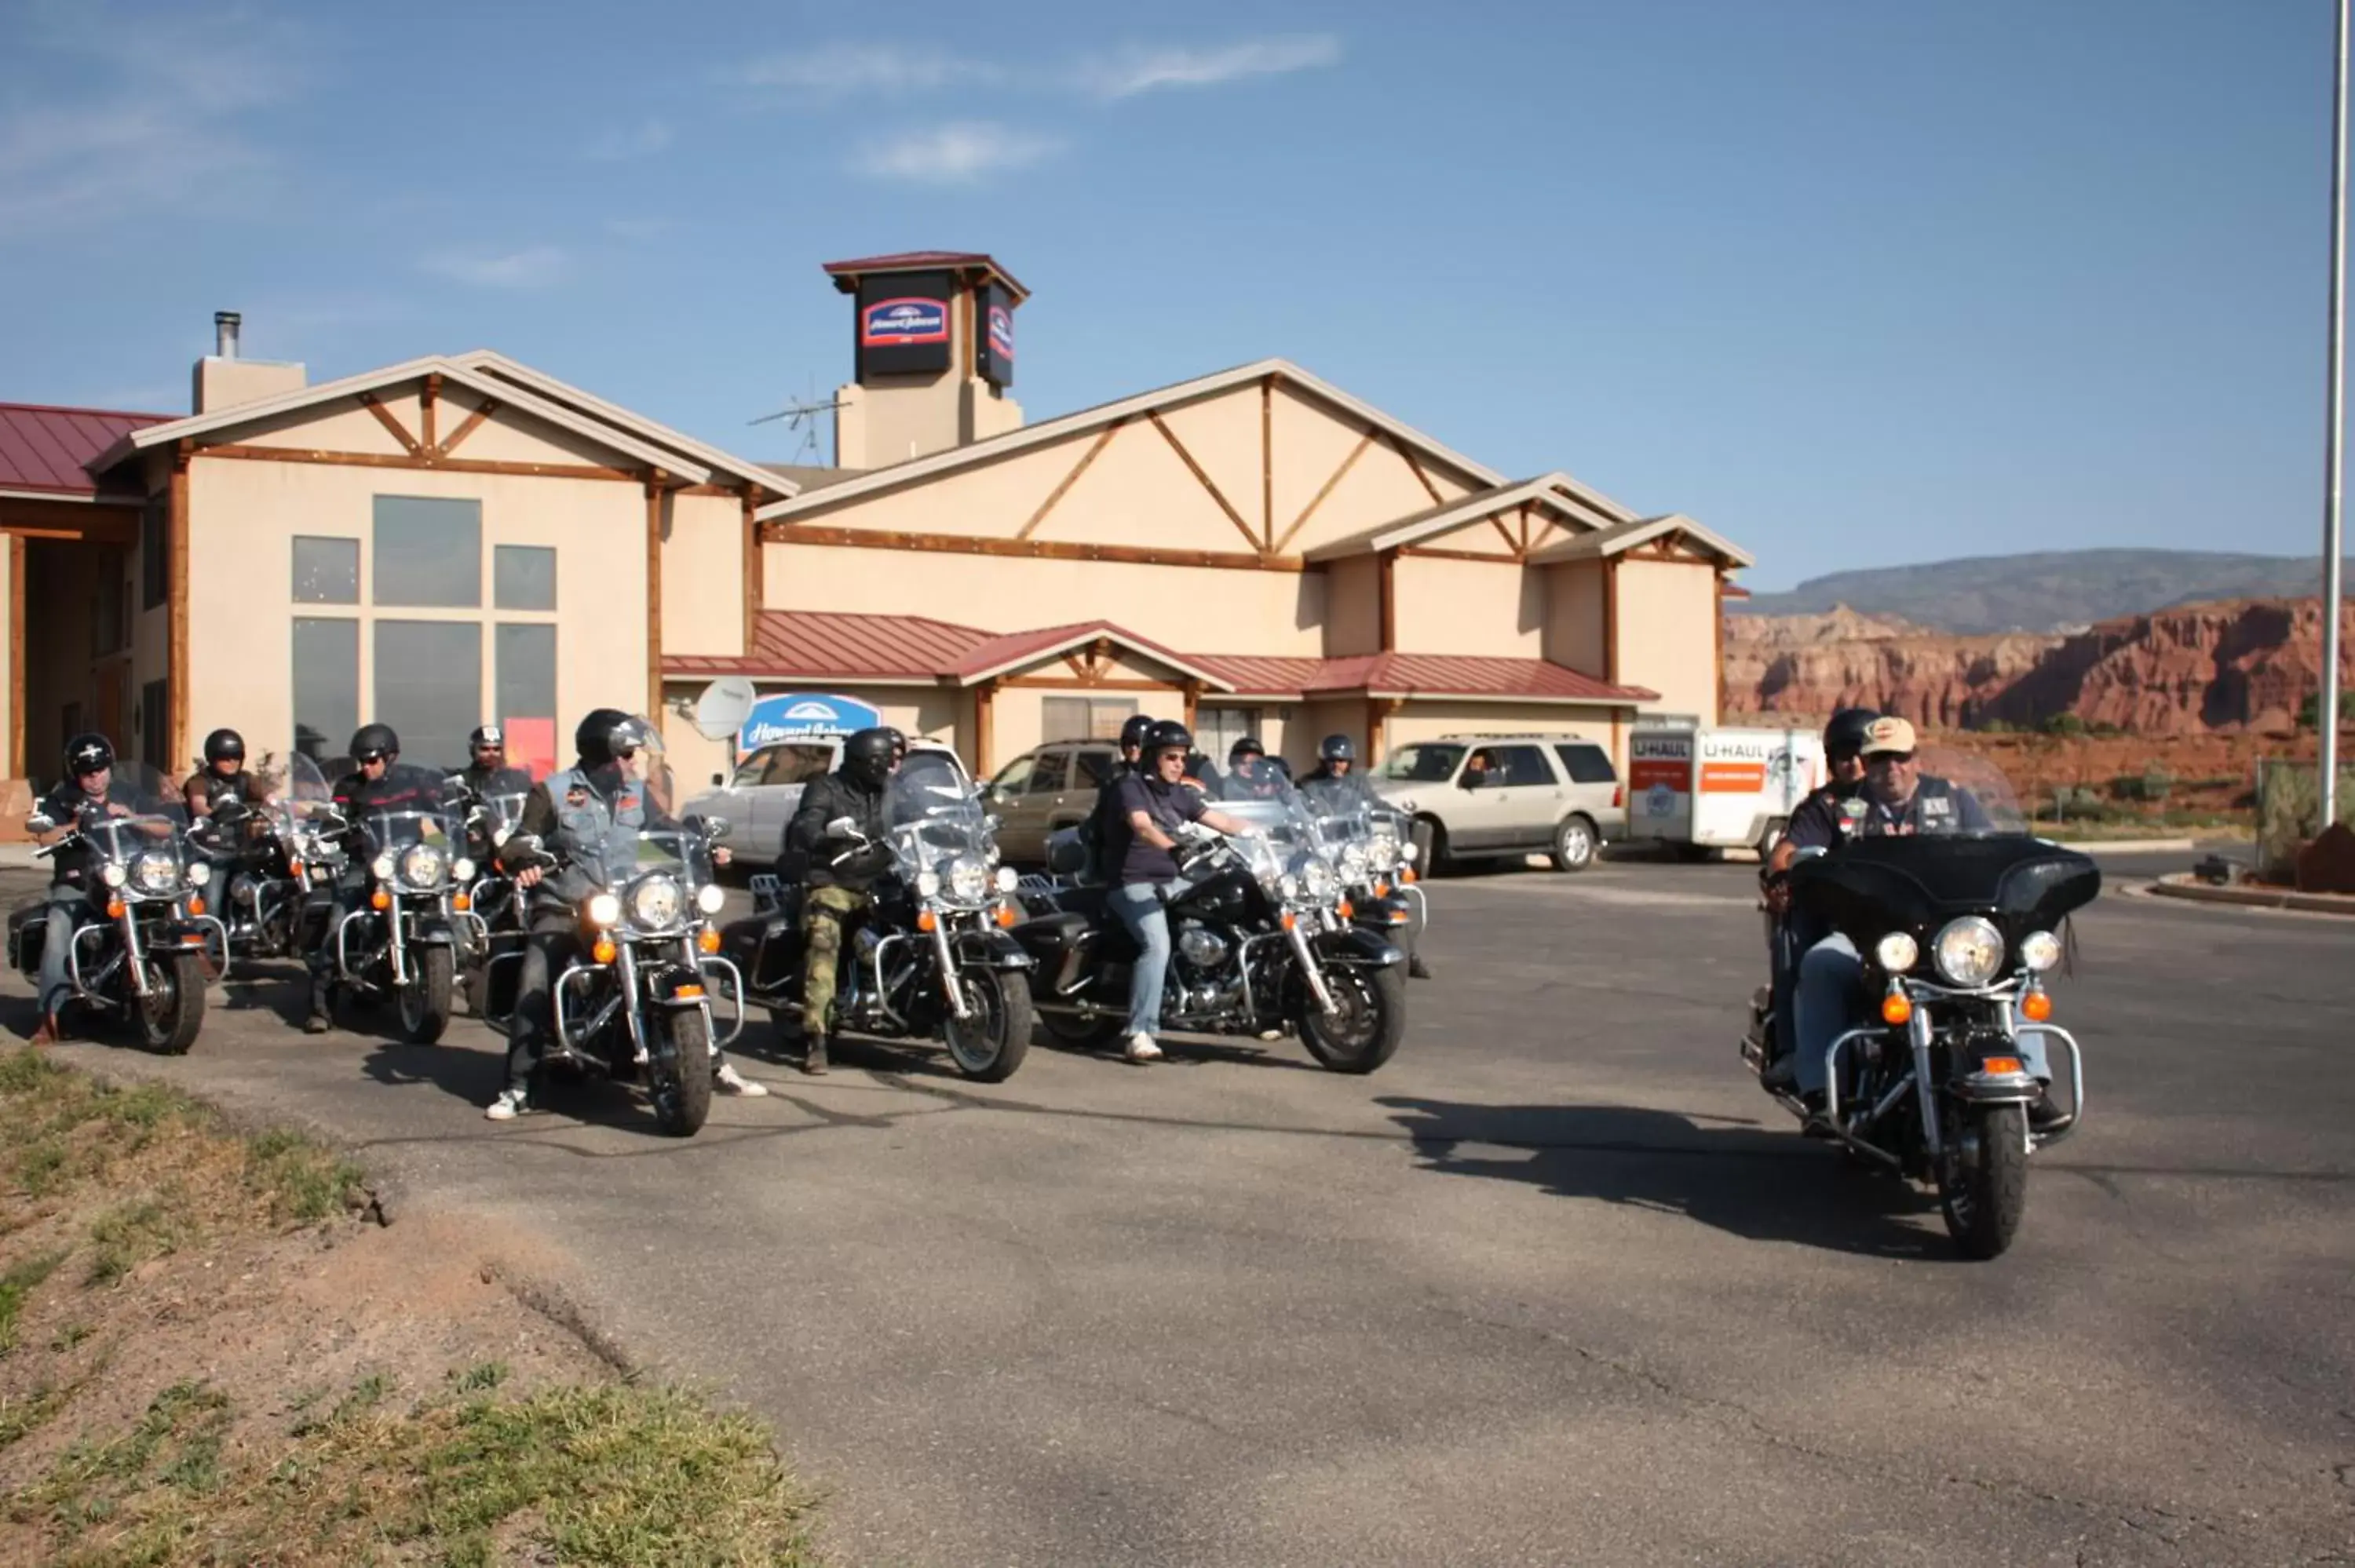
pixel 1424 764
pixel 154 545
pixel 1095 767
pixel 107 622
pixel 429 687
pixel 1048 771
pixel 1012 778
pixel 1517 765
pixel 152 723
pixel 930 770
pixel 428 552
pixel 1586 764
pixel 523 673
pixel 326 686
pixel 797 764
pixel 1086 719
pixel 1216 730
pixel 523 576
pixel 327 570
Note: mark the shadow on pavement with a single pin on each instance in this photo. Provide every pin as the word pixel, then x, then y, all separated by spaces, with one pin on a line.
pixel 1758 1184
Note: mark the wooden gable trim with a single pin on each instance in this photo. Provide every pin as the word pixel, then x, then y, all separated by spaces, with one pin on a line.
pixel 1437 552
pixel 1401 448
pixel 1332 482
pixel 422 461
pixel 1204 480
pixel 409 444
pixel 428 397
pixel 755 583
pixel 1062 486
pixel 1027 549
pixel 469 425
pixel 1266 465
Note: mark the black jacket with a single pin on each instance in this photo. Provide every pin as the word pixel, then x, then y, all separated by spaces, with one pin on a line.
pixel 1332 793
pixel 65 805
pixel 809 854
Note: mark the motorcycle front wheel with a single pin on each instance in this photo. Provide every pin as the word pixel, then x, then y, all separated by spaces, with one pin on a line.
pixel 678 1077
pixel 1367 1021
pixel 425 1000
pixel 1983 1177
pixel 174 1008
pixel 989 1044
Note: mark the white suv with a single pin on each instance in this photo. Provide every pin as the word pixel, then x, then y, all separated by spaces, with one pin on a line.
pixel 1493 797
pixel 760 801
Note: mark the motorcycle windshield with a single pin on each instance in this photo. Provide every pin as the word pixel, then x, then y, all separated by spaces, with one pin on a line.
pixel 938 826
pixel 140 826
pixel 681 850
pixel 416 829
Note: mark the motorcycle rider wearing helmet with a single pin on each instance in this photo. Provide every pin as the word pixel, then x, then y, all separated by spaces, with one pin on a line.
pixel 1251 773
pixel 1099 823
pixel 88 787
pixel 589 816
pixel 223 779
pixel 1153 802
pixel 1828 816
pixel 377 782
pixel 838 867
pixel 1334 786
pixel 486 771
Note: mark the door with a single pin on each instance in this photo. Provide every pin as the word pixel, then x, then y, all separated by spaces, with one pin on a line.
pixel 1477 818
pixel 1021 828
pixel 1091 765
pixel 1530 799
pixel 1593 785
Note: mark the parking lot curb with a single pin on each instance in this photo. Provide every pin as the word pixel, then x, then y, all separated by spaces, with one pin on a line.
pixel 2127 846
pixel 2182 884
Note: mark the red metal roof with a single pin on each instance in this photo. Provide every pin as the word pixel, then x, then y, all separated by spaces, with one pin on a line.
pixel 43 448
pixel 802 644
pixel 919 261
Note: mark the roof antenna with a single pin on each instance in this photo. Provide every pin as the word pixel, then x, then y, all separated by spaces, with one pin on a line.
pixel 804 416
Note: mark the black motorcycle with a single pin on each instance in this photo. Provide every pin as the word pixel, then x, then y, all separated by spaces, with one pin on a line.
pixel 634 1004
pixel 493 917
pixel 1959 936
pixel 1262 938
pixel 141 935
pixel 401 944
pixel 933 959
pixel 1373 852
pixel 257 851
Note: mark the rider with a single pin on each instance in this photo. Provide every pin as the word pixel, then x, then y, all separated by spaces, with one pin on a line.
pixel 1153 802
pixel 840 872
pixel 88 786
pixel 375 784
pixel 223 779
pixel 1334 786
pixel 1899 800
pixel 589 816
pixel 1828 816
pixel 1251 774
pixel 1098 828
pixel 486 771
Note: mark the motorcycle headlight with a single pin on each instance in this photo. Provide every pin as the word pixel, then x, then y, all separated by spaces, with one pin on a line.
pixel 655 903
pixel 1316 879
pixel 1406 853
pixel 928 884
pixel 1356 869
pixel 156 871
pixel 968 880
pixel 1008 879
pixel 2039 951
pixel 422 866
pixel 604 909
pixel 1897 952
pixel 709 897
pixel 1970 951
pixel 201 873
pixel 115 875
pixel 382 866
pixel 462 869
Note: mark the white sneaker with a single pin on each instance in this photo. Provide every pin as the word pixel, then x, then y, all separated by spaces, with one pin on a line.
pixel 1140 1048
pixel 732 1081
pixel 507 1107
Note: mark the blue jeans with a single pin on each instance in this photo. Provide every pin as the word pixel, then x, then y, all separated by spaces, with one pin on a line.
pixel 1138 906
pixel 1832 1000
pixel 66 906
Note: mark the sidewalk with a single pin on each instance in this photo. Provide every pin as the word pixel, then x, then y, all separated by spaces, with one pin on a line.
pixel 2183 884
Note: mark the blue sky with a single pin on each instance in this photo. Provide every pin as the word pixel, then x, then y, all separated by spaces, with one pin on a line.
pixel 1854 283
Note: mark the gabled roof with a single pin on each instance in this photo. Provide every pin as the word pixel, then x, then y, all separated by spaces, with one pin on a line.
pixel 1013 651
pixel 1625 536
pixel 1089 420
pixel 46 450
pixel 1574 505
pixel 621 418
pixel 845 274
pixel 1470 677
pixel 484 374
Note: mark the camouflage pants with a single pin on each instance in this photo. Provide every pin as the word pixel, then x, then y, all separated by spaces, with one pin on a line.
pixel 827 913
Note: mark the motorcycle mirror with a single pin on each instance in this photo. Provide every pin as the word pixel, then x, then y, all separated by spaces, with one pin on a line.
pixel 842 827
pixel 716 828
pixel 39 822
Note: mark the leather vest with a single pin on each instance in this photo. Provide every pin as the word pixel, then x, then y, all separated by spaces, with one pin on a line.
pixel 597 838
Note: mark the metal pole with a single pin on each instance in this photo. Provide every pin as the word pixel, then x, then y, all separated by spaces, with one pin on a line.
pixel 2327 709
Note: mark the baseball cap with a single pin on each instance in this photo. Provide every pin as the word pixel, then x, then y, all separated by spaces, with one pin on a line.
pixel 1887 735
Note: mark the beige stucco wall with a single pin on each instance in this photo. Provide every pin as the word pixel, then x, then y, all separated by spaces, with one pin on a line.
pixel 1311 443
pixel 1428 720
pixel 1353 601
pixel 1188 608
pixel 1313 721
pixel 243 517
pixel 1667 626
pixel 1575 617
pixel 1469 606
pixel 703 573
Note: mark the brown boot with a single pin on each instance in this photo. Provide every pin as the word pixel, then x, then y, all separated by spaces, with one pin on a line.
pixel 46 1034
pixel 814 1055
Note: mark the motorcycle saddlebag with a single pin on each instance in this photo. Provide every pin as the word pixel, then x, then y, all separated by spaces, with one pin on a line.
pixel 28 931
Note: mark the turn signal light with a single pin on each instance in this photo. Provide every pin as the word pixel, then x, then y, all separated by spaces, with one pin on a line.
pixel 115 908
pixel 294 868
pixel 1381 890
pixel 379 899
pixel 926 920
pixel 2002 1066
pixel 1290 920
pixel 706 940
pixel 1007 916
pixel 2036 1006
pixel 196 904
pixel 1407 875
pixel 1896 1008
pixel 603 951
pixel 1345 909
pixel 462 901
pixel 688 993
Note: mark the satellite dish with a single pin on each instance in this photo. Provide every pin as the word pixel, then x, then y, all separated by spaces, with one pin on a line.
pixel 719 712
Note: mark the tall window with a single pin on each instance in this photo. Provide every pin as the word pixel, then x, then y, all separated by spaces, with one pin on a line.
pixel 523 576
pixel 1216 730
pixel 428 552
pixel 429 687
pixel 525 675
pixel 1086 719
pixel 152 726
pixel 326 571
pixel 326 686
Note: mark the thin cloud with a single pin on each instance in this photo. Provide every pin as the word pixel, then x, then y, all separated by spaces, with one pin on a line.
pixel 961 153
pixel 534 267
pixel 1147 69
pixel 831 72
pixel 623 144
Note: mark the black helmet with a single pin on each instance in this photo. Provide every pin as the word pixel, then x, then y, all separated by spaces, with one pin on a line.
pixel 1133 733
pixel 1337 748
pixel 1167 734
pixel 868 755
pixel 371 741
pixel 88 754
pixel 486 735
pixel 898 741
pixel 1246 747
pixel 224 746
pixel 592 740
pixel 1844 736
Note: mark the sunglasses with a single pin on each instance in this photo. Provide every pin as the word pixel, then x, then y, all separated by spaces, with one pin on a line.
pixel 625 752
pixel 366 758
pixel 90 772
pixel 1894 758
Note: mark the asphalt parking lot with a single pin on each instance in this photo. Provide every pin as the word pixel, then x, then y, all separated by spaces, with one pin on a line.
pixel 1559 1285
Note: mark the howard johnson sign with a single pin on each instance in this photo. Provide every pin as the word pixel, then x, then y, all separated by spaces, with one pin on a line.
pixel 802 715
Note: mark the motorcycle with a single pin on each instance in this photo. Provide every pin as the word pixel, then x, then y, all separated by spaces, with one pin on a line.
pixel 932 961
pixel 1959 935
pixel 496 919
pixel 634 1002
pixel 1373 852
pixel 401 943
pixel 141 937
pixel 259 863
pixel 1262 942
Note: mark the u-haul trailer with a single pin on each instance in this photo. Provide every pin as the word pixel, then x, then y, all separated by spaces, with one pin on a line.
pixel 1717 788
